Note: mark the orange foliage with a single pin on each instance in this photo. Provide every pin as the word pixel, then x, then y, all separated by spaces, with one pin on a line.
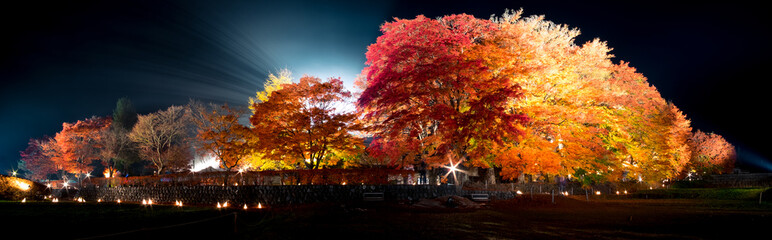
pixel 220 133
pixel 300 124
pixel 562 84
pixel 711 154
pixel 76 146
pixel 426 77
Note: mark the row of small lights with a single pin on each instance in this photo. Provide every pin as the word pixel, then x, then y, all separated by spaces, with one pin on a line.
pixel 145 202
pixel 566 193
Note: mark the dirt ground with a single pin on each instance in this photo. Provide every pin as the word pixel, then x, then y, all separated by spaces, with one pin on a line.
pixel 520 218
pixel 524 218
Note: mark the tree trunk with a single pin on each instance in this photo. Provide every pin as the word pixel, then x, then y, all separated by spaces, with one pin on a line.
pixel 490 176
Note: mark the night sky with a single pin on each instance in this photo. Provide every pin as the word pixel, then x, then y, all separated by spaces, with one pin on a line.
pixel 65 60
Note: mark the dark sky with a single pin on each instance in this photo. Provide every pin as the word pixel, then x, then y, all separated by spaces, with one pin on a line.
pixel 68 60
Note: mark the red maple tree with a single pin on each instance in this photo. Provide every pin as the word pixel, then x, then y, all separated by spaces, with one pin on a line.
pixel 428 83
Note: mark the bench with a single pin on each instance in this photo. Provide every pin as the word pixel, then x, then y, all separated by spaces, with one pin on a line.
pixel 373 196
pixel 480 197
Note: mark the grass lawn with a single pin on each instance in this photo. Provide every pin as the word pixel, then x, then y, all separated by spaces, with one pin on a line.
pixel 607 217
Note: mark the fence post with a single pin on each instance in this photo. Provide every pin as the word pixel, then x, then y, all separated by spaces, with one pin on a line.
pixel 586 195
pixel 760 194
pixel 553 196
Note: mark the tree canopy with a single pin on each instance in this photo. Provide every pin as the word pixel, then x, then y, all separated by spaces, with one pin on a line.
pixel 519 94
pixel 301 125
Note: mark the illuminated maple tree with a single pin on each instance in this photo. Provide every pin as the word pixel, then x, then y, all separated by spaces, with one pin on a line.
pixel 36 161
pixel 394 153
pixel 648 135
pixel 633 110
pixel 75 147
pixel 272 84
pixel 587 116
pixel 561 82
pixel 428 84
pixel 301 124
pixel 711 154
pixel 220 133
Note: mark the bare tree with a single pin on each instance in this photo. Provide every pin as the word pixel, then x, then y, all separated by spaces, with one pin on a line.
pixel 161 138
pixel 115 146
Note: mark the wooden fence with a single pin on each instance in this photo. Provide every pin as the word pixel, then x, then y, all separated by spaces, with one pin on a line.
pixel 282 177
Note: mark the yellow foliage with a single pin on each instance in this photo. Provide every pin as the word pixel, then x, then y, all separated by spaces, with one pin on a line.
pixel 272 84
pixel 257 161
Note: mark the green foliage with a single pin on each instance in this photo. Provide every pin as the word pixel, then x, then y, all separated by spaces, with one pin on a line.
pixel 124 115
pixel 588 179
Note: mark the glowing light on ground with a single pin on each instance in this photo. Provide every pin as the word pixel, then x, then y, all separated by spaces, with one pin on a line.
pixel 617 192
pixel 225 204
pixel 625 191
pixel 99 200
pixel 597 192
pixel 24 200
pixel 245 206
pixel 108 173
pixel 519 192
pixel 259 206
pixel 144 202
pixel 150 202
pixel 218 205
pixel 205 161
pixel 119 201
pixel 344 183
pixel 21 185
